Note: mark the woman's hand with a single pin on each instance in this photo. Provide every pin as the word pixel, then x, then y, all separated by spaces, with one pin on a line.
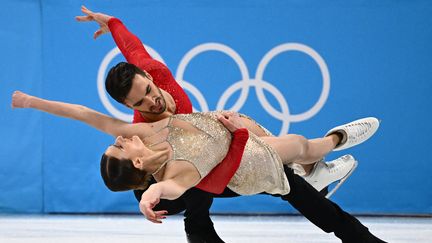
pixel 231 120
pixel 147 203
pixel 100 18
pixel 21 100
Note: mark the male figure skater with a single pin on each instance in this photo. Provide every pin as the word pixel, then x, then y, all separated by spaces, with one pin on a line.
pixel 153 93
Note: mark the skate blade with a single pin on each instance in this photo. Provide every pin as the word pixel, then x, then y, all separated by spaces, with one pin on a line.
pixel 341 181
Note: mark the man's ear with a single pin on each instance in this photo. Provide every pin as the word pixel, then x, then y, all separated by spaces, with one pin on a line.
pixel 148 75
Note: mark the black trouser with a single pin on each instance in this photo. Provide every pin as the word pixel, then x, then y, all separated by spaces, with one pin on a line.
pixel 198 224
pixel 324 213
pixel 309 202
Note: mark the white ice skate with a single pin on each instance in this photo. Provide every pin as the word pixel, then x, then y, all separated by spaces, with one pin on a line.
pixel 355 132
pixel 323 174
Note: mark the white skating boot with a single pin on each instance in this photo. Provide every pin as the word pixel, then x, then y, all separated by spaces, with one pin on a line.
pixel 355 132
pixel 323 174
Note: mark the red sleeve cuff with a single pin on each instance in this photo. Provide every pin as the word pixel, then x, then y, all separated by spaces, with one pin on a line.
pixel 137 118
pixel 113 21
pixel 241 133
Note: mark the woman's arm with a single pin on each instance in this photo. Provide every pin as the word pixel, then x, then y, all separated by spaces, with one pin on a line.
pixel 178 177
pixel 81 113
pixel 168 189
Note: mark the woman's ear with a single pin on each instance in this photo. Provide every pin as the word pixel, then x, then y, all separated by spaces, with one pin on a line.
pixel 155 157
pixel 138 163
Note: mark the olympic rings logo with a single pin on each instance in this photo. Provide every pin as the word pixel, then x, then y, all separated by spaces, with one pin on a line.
pixel 243 85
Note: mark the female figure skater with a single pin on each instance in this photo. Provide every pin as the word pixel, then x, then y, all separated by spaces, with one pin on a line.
pixel 180 150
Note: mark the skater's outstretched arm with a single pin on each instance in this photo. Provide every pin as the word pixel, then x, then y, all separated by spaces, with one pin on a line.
pixel 102 122
pixel 129 44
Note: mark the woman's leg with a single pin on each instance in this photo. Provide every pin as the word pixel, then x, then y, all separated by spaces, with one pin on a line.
pixel 298 149
pixel 260 132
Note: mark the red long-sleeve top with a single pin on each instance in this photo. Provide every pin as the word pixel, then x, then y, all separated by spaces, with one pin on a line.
pixel 135 53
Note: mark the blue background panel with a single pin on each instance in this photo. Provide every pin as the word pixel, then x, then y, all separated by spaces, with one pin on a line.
pixel 378 60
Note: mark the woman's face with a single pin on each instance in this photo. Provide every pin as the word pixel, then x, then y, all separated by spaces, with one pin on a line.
pixel 128 148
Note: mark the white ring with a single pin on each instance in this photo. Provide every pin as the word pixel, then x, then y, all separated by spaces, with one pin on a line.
pixel 244 84
pixel 316 57
pixel 263 85
pixel 214 47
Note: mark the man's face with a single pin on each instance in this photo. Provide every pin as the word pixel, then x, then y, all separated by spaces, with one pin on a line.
pixel 145 96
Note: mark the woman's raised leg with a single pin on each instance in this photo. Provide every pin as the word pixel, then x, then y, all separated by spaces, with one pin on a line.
pixel 296 148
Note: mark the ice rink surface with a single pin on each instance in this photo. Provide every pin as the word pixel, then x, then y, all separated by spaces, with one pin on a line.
pixel 247 229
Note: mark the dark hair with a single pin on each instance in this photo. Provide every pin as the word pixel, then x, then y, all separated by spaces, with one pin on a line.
pixel 118 82
pixel 121 175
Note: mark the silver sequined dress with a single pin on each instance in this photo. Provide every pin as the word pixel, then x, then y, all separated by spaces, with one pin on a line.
pixel 202 140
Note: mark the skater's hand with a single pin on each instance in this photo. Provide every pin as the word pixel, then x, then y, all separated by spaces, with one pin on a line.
pixel 100 18
pixel 147 204
pixel 231 120
pixel 21 100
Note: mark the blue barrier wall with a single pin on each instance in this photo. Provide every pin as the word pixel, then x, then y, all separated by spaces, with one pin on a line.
pixel 21 156
pixel 317 65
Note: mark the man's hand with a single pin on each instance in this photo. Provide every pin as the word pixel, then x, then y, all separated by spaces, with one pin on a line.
pixel 231 120
pixel 21 100
pixel 147 203
pixel 100 18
